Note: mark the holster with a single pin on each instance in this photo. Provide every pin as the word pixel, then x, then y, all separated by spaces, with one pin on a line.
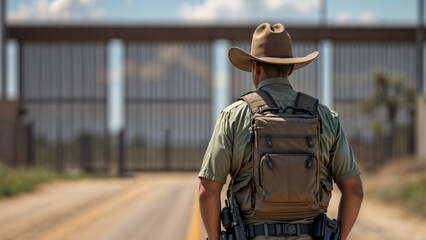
pixel 324 228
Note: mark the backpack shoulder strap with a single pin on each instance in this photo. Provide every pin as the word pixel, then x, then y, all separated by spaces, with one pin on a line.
pixel 259 98
pixel 306 101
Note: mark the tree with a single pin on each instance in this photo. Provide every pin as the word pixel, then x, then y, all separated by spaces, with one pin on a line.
pixel 394 95
pixel 391 95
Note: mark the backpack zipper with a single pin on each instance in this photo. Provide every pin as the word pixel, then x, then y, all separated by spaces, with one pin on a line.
pixel 309 162
pixel 269 160
pixel 309 138
pixel 269 164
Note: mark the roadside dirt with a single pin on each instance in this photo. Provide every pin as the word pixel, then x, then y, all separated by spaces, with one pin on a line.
pixel 149 206
pixel 380 220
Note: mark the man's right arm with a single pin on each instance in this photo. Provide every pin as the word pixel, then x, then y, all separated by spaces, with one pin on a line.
pixel 209 197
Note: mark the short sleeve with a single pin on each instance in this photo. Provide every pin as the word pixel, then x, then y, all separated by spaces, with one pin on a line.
pixel 217 159
pixel 342 161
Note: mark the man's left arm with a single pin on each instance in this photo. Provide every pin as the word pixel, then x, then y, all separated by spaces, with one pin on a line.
pixel 209 198
pixel 350 203
pixel 346 174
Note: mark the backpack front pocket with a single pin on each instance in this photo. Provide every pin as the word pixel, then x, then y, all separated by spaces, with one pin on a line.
pixel 288 178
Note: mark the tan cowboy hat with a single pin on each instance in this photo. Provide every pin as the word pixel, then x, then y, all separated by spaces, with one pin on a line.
pixel 270 44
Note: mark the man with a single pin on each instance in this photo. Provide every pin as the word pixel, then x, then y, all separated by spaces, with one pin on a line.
pixel 271 62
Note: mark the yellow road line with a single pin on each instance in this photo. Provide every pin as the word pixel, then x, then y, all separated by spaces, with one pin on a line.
pixel 194 229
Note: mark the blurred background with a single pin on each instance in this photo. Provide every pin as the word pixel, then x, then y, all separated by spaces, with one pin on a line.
pixel 102 87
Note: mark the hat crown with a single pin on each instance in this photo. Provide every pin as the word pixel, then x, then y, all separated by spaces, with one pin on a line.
pixel 271 41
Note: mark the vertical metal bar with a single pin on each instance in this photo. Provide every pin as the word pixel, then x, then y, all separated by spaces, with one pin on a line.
pixel 19 55
pixel 59 103
pixel 146 55
pixel 185 80
pixel 82 108
pixel 51 104
pixel 106 144
pixel 121 153
pixel 210 105
pixel 147 58
pixel 3 39
pixel 127 113
pixel 190 86
pixel 30 145
pixel 180 131
pixel 21 102
pixel 167 148
pixel 152 94
pixel 132 121
pixel 419 40
pixel 126 79
pixel 198 108
pixel 165 93
pixel 191 89
pixel 140 52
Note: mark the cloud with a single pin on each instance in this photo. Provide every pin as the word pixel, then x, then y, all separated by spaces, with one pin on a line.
pixel 345 18
pixel 224 10
pixel 56 10
pixel 301 6
pixel 129 3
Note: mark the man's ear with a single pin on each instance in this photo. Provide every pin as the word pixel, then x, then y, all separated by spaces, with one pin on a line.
pixel 256 67
pixel 291 70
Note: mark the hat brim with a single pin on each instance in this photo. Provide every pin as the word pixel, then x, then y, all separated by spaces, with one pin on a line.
pixel 241 59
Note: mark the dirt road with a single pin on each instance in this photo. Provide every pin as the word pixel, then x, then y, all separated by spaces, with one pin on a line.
pixel 154 206
pixel 160 206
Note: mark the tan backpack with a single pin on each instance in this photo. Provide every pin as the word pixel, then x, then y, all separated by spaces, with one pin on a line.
pixel 285 184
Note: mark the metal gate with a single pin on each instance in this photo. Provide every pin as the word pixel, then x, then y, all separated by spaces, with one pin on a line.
pixel 63 95
pixel 168 104
pixel 168 83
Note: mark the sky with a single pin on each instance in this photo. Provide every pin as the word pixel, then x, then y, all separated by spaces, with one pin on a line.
pixel 368 12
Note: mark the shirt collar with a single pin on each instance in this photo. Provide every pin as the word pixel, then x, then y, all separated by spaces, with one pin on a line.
pixel 281 81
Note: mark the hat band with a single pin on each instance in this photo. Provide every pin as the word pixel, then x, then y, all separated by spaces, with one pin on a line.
pixel 274 56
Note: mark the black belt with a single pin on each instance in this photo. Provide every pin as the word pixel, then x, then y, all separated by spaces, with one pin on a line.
pixel 279 229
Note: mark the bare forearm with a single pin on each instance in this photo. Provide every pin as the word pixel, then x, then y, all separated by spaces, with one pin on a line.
pixel 210 212
pixel 348 213
pixel 350 204
pixel 210 206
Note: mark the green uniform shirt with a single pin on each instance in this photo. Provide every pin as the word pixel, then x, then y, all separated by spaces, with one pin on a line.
pixel 229 148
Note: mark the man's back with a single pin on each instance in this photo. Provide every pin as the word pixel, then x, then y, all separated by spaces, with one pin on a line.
pixel 230 140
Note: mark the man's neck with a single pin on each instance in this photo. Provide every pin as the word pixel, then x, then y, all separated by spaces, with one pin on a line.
pixel 264 77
